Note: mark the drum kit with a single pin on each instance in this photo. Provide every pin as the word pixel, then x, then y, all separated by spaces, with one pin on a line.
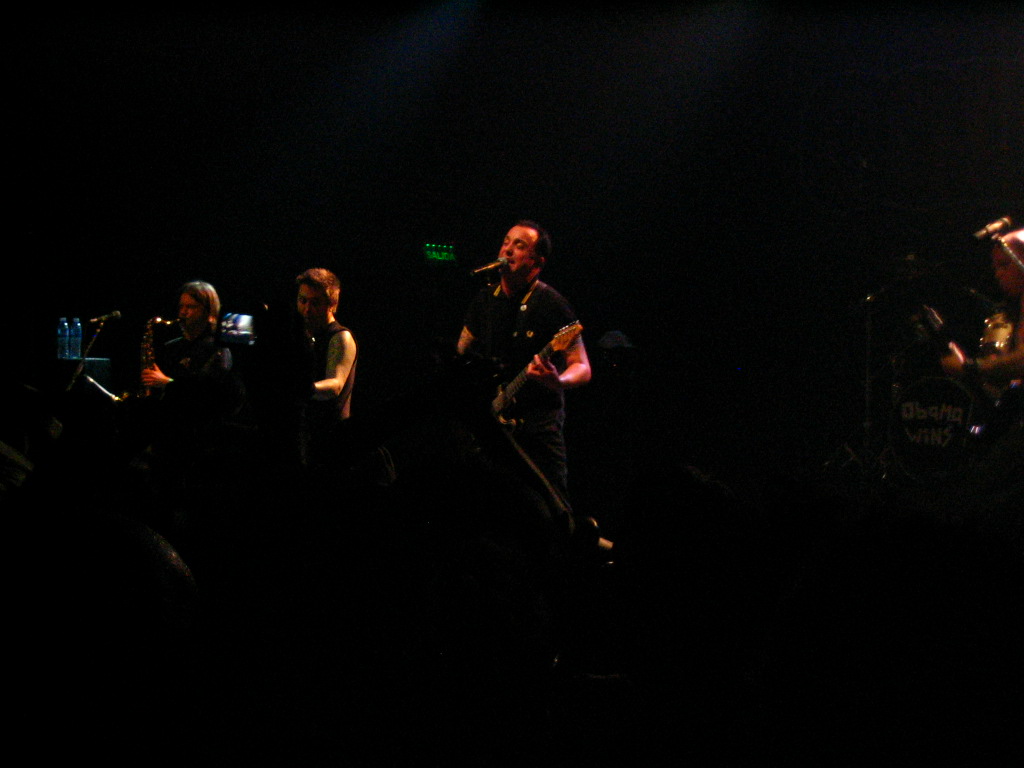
pixel 921 427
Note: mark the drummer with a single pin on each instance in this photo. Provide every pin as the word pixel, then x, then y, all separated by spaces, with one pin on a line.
pixel 999 363
pixel 994 490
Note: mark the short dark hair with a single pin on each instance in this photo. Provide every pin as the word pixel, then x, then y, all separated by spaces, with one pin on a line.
pixel 325 280
pixel 543 246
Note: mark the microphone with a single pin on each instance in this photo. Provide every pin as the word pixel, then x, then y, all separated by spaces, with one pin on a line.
pixel 501 262
pixel 108 316
pixel 993 228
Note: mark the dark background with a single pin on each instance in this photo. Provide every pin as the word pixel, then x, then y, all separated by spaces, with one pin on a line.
pixel 725 184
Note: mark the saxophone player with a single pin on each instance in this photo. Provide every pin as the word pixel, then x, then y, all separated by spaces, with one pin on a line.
pixel 196 395
pixel 195 362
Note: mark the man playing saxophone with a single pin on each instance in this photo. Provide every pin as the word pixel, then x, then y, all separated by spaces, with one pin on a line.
pixel 194 355
pixel 196 394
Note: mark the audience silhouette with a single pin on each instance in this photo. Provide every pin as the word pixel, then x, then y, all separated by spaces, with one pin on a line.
pixel 430 619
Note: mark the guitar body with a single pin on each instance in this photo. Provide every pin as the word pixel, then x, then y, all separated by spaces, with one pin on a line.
pixel 505 398
pixel 561 341
pixel 510 424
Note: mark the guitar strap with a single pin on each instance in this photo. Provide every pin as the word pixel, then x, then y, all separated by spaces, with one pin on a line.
pixel 559 501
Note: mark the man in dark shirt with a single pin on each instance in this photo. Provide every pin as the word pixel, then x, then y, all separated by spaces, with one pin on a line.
pixel 190 372
pixel 332 354
pixel 512 323
pixel 195 394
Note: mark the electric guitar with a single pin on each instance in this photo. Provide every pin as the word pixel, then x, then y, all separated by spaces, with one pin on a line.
pixel 507 393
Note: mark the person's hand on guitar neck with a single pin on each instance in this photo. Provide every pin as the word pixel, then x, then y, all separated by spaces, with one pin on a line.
pixel 577 370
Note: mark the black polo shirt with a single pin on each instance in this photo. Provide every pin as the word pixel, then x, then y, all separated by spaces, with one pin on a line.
pixel 512 330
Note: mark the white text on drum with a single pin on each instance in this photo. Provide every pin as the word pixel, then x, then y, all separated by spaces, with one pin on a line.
pixel 940 417
pixel 940 436
pixel 938 414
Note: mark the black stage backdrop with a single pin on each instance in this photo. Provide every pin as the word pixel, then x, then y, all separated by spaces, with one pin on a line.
pixel 726 186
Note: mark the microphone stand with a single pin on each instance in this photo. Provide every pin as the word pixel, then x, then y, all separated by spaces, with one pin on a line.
pixel 85 355
pixel 113 398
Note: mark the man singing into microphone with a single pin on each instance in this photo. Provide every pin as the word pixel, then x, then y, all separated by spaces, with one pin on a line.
pixel 512 322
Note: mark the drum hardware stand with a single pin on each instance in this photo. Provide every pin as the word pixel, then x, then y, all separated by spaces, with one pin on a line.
pixel 872 465
pixel 876 464
pixel 1005 247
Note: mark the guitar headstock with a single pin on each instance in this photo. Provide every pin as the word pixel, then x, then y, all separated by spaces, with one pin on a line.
pixel 566 336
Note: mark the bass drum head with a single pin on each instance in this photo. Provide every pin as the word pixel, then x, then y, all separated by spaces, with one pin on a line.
pixel 932 429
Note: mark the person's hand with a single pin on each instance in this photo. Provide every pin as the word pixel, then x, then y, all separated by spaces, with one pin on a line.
pixel 957 365
pixel 952 366
pixel 544 373
pixel 154 378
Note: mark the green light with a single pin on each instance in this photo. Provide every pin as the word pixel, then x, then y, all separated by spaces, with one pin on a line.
pixel 439 252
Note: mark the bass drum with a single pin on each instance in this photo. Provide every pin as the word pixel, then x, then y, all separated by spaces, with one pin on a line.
pixel 933 429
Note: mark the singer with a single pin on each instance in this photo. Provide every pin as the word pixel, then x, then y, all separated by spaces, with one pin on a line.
pixel 512 322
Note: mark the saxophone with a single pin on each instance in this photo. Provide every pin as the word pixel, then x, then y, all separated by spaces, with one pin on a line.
pixel 147 357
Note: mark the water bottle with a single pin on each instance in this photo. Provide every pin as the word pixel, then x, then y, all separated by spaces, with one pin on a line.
pixel 63 332
pixel 75 339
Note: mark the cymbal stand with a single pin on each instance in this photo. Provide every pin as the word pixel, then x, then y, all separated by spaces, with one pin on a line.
pixel 861 453
pixel 1005 247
